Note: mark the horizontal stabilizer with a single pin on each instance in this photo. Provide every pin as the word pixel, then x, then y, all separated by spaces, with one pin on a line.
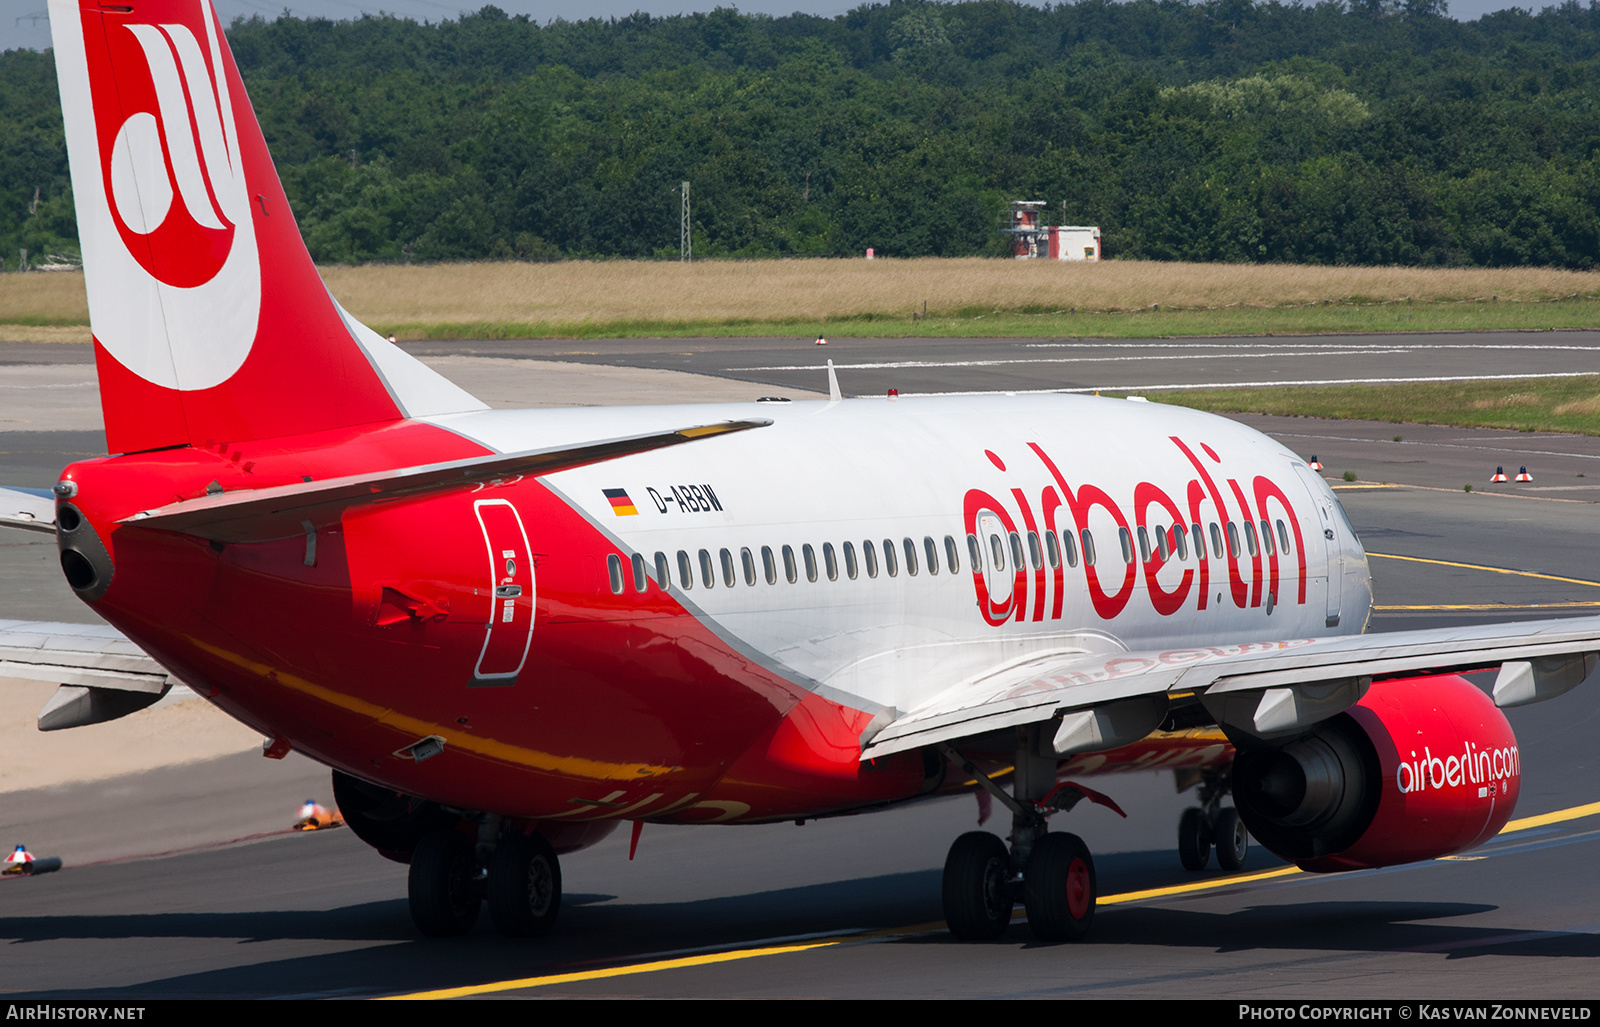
pixel 1259 688
pixel 256 515
pixel 33 509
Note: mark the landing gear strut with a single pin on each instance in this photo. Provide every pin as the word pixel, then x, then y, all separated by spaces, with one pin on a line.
pixel 1051 873
pixel 451 876
pixel 1210 823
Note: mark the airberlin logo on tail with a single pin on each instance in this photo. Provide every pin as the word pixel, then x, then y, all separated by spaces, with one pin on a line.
pixel 171 245
pixel 181 143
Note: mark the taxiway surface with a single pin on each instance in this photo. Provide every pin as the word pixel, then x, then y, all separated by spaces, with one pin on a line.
pixel 182 882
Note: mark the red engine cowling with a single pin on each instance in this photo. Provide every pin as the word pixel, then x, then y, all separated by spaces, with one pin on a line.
pixel 1419 768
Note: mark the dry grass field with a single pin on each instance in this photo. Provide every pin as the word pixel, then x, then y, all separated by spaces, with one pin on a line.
pixel 638 298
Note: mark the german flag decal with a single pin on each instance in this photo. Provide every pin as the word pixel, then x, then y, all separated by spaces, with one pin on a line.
pixel 621 505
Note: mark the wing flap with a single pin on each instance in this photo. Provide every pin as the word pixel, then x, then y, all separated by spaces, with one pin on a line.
pixel 280 511
pixel 1325 675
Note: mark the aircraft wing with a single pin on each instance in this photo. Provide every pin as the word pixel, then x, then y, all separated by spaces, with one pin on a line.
pixel 1264 689
pixel 101 673
pixel 280 511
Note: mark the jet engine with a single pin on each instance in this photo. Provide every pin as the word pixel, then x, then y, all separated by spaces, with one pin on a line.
pixel 1419 768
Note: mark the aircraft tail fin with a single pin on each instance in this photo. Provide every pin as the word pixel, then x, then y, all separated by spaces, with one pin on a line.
pixel 210 321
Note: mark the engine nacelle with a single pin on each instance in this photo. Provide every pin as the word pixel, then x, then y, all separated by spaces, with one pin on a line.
pixel 1419 768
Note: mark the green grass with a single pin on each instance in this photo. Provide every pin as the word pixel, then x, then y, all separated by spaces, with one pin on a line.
pixel 1523 404
pixel 1138 324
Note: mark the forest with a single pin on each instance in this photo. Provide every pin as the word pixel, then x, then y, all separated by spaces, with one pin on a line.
pixel 1356 133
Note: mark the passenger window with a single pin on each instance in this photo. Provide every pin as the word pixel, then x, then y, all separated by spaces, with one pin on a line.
pixel 997 549
pixel 663 571
pixel 1180 541
pixel 1250 539
pixel 1088 548
pixel 1035 556
pixel 749 560
pixel 974 553
pixel 869 552
pixel 890 566
pixel 1266 539
pixel 1016 550
pixel 1199 541
pixel 728 573
pixel 1144 545
pixel 614 564
pixel 1161 544
pixel 830 563
pixel 930 549
pixel 1283 539
pixel 911 556
pixel 1233 540
pixel 1052 549
pixel 708 574
pixel 1127 544
pixel 789 569
pixel 952 555
pixel 769 565
pixel 685 571
pixel 641 580
pixel 1216 540
pixel 850 560
pixel 810 556
pixel 1069 548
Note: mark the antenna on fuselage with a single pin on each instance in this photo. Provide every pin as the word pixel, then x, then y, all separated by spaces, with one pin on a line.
pixel 834 395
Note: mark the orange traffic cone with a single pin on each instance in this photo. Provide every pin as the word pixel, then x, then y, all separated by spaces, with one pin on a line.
pixel 1523 475
pixel 1499 474
pixel 1316 465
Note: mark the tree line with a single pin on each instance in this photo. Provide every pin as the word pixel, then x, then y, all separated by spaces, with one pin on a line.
pixel 1363 132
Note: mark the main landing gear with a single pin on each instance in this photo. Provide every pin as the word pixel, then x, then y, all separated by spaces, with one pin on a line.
pixel 1201 827
pixel 451 876
pixel 1052 873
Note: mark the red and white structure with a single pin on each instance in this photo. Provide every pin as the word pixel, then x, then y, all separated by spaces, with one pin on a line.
pixel 1034 240
pixel 509 631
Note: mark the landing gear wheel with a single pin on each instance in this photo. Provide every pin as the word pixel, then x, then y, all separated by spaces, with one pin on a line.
pixel 1194 839
pixel 1059 888
pixel 443 884
pixel 524 886
pixel 1233 840
pixel 977 893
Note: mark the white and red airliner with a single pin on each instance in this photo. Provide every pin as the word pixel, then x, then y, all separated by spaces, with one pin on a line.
pixel 509 631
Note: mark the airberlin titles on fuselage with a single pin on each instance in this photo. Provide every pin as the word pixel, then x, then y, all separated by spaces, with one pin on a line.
pixel 1208 519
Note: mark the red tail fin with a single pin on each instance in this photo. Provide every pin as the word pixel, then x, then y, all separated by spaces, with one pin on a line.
pixel 210 321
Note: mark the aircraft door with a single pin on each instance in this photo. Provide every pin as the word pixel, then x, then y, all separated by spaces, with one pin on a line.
pixel 998 577
pixel 509 632
pixel 1333 548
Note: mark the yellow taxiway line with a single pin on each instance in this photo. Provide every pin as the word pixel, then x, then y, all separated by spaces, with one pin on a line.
pixel 711 958
pixel 1493 570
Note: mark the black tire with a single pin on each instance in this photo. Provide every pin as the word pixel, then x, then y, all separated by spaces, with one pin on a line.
pixel 977 891
pixel 1059 888
pixel 443 885
pixel 524 886
pixel 1233 840
pixel 1194 840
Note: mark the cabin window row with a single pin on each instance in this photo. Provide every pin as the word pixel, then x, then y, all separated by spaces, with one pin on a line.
pixel 706 569
pixel 1015 550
